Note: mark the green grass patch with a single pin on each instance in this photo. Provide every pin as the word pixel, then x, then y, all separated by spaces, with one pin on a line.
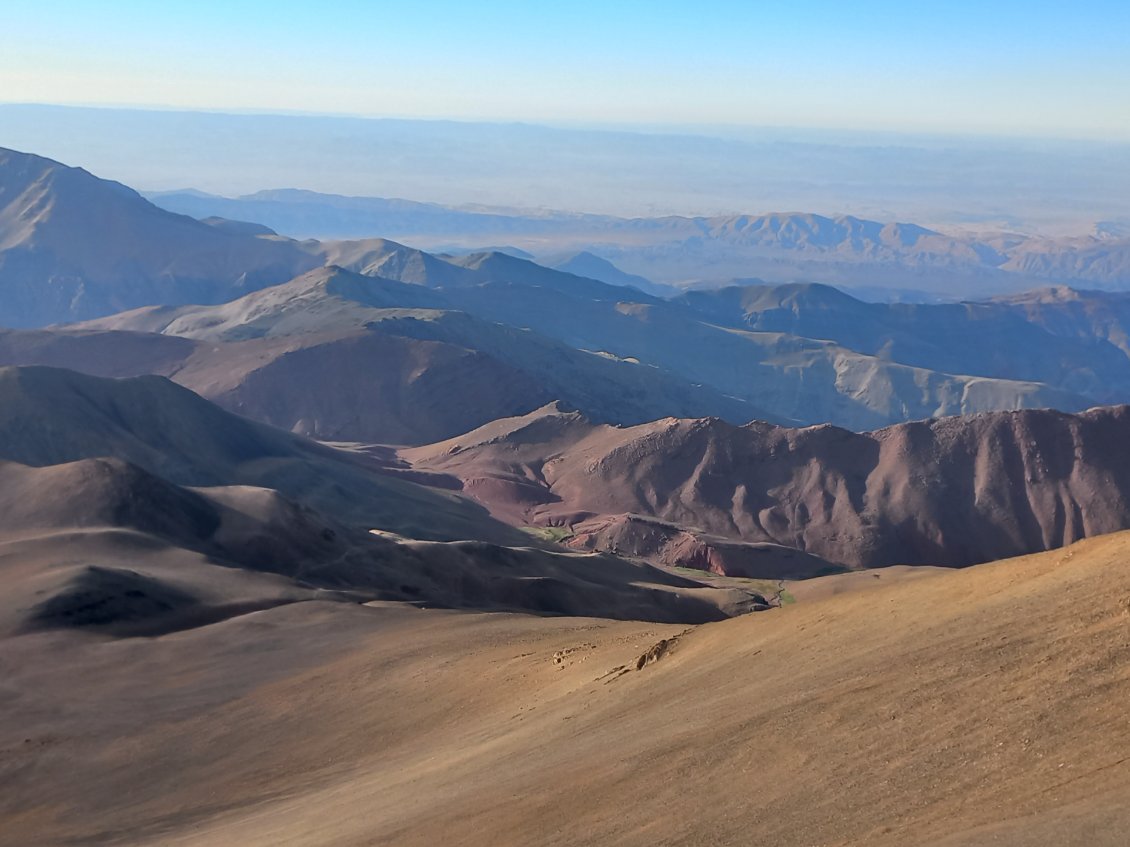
pixel 556 534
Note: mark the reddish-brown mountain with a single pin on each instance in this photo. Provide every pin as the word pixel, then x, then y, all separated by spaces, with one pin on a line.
pixel 953 491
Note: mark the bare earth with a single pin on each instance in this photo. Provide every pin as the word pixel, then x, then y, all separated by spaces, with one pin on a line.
pixel 981 706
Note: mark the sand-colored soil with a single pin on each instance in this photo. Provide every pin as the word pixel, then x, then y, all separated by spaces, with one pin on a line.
pixel 983 706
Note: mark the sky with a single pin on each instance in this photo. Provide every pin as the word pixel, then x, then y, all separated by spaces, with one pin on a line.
pixel 1037 68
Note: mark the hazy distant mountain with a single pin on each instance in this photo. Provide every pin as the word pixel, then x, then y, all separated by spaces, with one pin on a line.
pixel 954 491
pixel 308 214
pixel 797 378
pixel 934 180
pixel 776 247
pixel 75 246
pixel 1074 340
pixel 592 266
pixel 648 358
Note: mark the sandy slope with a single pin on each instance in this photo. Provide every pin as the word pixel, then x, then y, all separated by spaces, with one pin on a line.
pixel 983 706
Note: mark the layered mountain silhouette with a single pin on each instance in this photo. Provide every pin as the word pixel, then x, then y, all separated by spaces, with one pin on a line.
pixel 331 355
pixel 134 507
pixel 954 491
pixel 620 361
pixel 1073 340
pixel 389 343
pixel 75 246
pixel 533 482
pixel 779 247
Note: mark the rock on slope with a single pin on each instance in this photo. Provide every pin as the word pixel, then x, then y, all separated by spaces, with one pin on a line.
pixel 953 491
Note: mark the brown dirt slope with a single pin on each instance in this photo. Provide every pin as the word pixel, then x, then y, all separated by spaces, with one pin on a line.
pixel 952 491
pixel 982 706
pixel 50 416
pixel 101 528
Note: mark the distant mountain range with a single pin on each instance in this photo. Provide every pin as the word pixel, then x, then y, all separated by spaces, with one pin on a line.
pixel 688 250
pixel 374 341
pixel 353 541
pixel 74 246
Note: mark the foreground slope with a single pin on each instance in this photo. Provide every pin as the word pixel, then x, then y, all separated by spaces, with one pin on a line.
pixel 983 706
pixel 952 491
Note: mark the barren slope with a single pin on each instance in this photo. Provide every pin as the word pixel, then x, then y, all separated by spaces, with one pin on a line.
pixel 953 491
pixel 98 528
pixel 337 355
pixel 967 708
pixel 73 246
pixel 50 416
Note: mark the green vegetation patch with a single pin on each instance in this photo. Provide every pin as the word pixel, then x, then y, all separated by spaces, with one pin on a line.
pixel 556 534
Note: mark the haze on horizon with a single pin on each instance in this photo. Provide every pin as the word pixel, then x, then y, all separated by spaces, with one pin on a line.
pixel 1007 68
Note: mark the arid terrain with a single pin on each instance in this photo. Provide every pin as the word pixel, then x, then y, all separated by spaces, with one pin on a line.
pixel 764 500
pixel 961 708
pixel 349 542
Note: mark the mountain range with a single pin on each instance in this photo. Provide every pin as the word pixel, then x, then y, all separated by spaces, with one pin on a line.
pixel 740 500
pixel 376 342
pixel 778 247
pixel 349 542
pixel 792 353
pixel 134 506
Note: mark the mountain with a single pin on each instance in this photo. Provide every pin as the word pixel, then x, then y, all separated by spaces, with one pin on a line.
pixel 590 265
pixel 794 378
pixel 303 356
pixel 74 246
pixel 309 214
pixel 955 709
pixel 1072 340
pixel 132 507
pixel 615 352
pixel 778 247
pixel 341 356
pixel 50 416
pixel 953 492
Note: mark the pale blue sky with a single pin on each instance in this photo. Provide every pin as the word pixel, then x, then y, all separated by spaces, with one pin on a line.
pixel 995 66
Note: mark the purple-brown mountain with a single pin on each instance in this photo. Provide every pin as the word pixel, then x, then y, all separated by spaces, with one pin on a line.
pixel 742 500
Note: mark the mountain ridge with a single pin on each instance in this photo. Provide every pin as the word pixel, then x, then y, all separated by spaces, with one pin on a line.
pixel 951 491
